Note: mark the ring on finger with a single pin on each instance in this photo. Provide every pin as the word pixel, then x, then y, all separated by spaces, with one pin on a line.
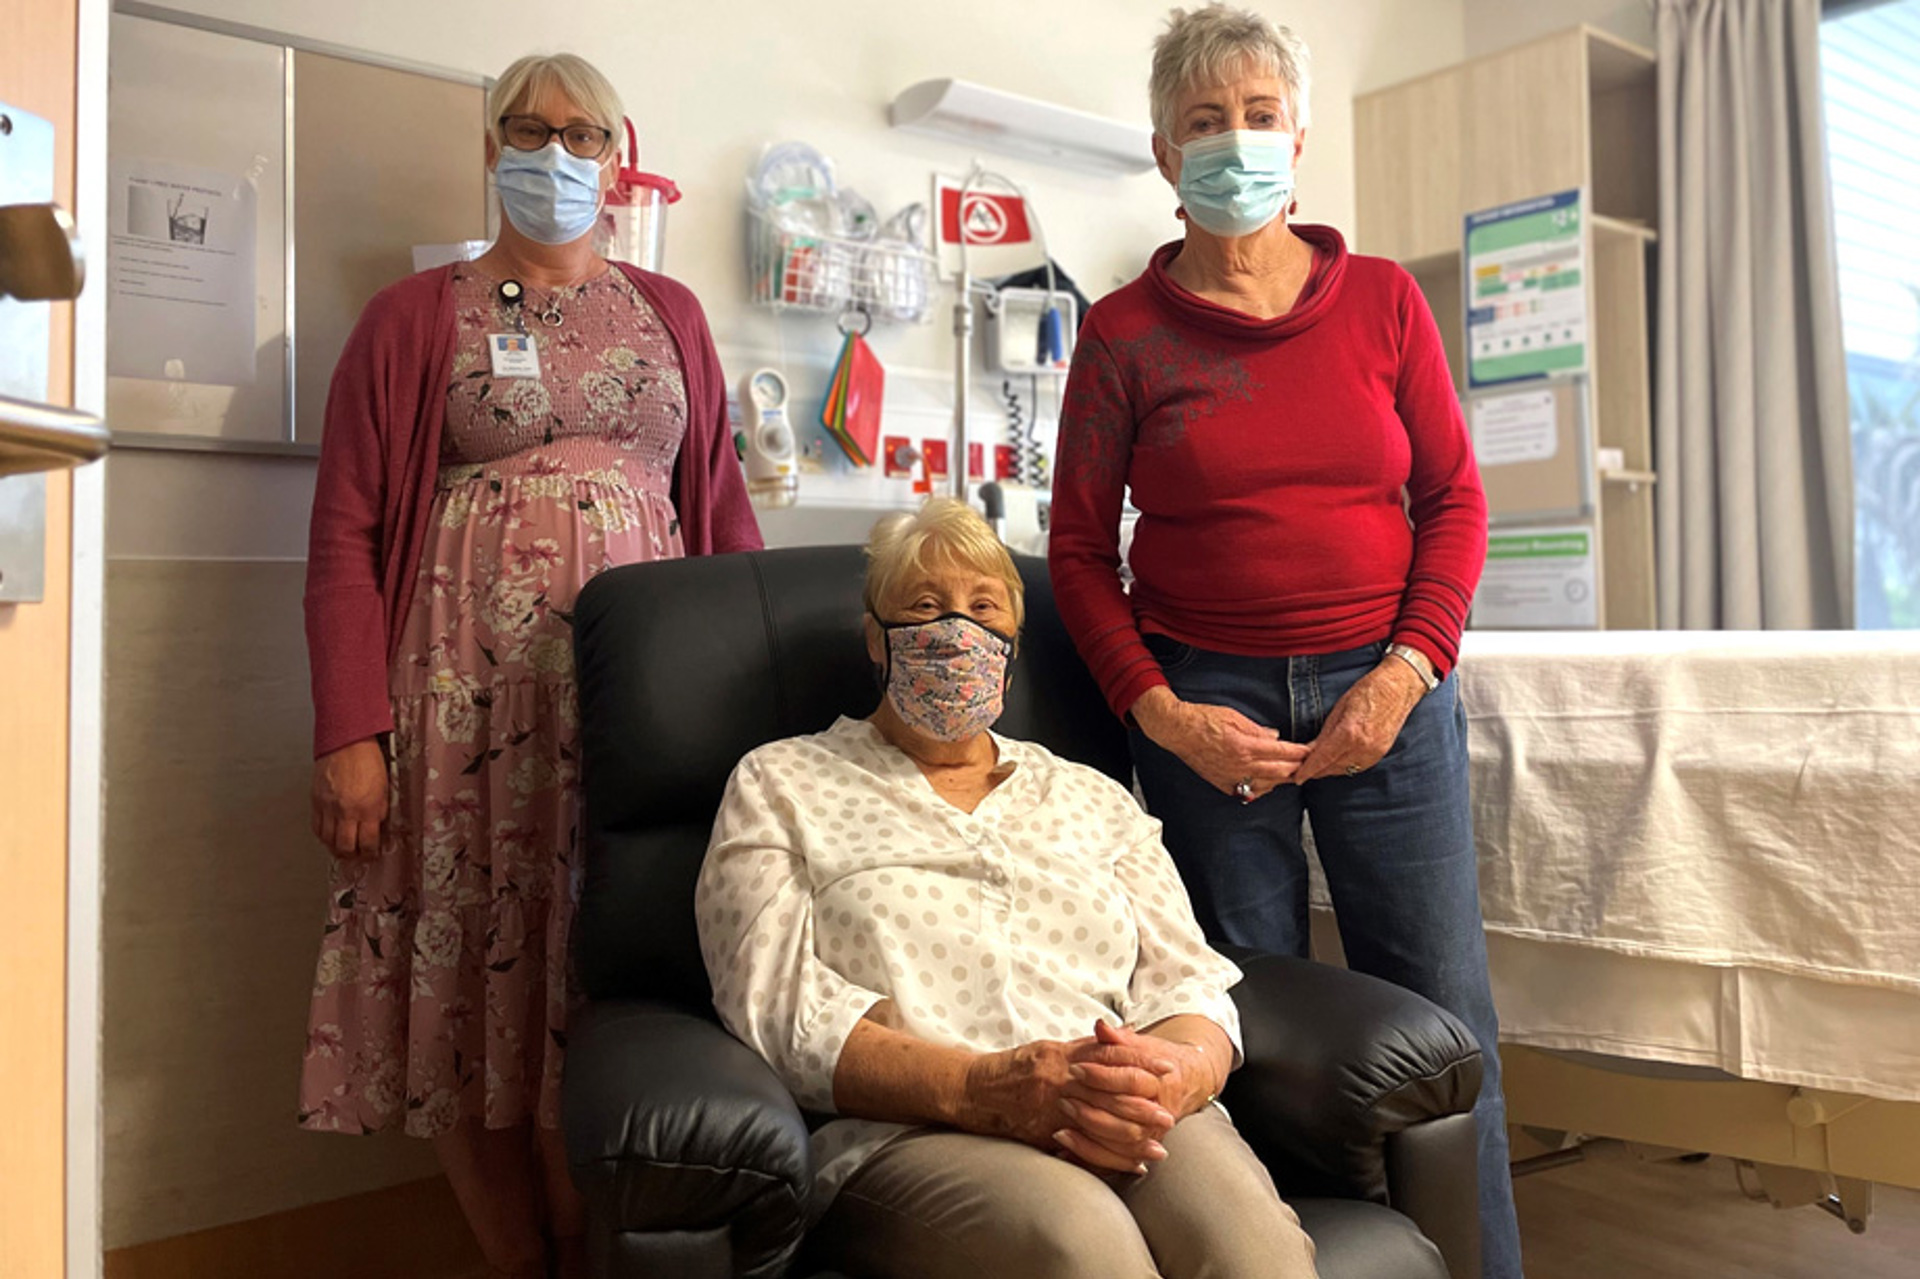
pixel 1353 770
pixel 1244 789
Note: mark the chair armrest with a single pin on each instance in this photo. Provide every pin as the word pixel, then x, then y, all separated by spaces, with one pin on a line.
pixel 673 1125
pixel 1336 1063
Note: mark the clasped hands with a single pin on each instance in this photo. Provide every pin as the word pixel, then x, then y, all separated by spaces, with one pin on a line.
pixel 1240 757
pixel 1105 1101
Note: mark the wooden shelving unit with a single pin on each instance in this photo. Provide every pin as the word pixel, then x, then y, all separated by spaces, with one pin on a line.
pixel 1576 109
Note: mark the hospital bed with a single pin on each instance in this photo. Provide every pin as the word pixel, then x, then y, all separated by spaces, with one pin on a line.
pixel 1700 870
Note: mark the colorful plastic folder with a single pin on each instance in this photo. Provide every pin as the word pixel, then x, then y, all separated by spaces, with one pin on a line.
pixel 851 414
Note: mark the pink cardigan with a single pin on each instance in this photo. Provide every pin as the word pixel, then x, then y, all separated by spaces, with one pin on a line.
pixel 378 461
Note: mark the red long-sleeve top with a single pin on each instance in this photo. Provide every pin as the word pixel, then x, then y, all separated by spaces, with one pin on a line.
pixel 1306 484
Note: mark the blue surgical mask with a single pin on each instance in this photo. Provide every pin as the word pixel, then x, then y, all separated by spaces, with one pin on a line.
pixel 1234 183
pixel 550 195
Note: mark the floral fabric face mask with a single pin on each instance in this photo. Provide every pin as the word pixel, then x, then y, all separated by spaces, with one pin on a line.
pixel 948 677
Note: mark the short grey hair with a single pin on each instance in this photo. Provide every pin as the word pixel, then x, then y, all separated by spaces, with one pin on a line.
pixel 523 82
pixel 1210 45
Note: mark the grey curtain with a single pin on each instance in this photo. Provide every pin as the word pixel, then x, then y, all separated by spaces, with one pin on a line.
pixel 1752 443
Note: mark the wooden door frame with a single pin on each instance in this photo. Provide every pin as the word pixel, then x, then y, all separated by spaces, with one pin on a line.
pixel 86 728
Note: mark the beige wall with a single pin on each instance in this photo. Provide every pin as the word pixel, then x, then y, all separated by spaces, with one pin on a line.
pixel 1498 24
pixel 37 73
pixel 214 897
pixel 708 82
pixel 214 889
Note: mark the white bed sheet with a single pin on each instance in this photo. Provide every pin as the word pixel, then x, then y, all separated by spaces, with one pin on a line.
pixel 1749 1022
pixel 1704 848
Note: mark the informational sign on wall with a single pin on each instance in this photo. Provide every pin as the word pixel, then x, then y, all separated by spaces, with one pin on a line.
pixel 1526 290
pixel 180 280
pixel 1518 426
pixel 1539 578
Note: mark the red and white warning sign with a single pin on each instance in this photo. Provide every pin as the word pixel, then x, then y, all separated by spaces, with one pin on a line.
pixel 998 225
pixel 987 217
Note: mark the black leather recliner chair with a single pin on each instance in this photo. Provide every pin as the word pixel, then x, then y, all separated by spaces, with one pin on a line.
pixel 693 1157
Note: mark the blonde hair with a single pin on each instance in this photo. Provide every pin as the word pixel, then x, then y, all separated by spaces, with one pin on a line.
pixel 1211 45
pixel 567 73
pixel 945 533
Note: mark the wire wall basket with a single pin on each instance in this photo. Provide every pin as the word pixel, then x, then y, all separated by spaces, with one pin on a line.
pixel 801 270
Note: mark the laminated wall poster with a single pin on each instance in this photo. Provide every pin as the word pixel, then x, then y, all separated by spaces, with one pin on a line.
pixel 1526 290
pixel 1539 578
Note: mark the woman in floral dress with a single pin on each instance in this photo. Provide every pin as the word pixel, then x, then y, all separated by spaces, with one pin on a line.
pixel 497 433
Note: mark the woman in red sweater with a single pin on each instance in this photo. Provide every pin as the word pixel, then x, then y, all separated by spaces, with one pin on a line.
pixel 1311 529
pixel 497 433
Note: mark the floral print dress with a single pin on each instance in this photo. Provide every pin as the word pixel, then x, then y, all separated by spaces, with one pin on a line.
pixel 441 992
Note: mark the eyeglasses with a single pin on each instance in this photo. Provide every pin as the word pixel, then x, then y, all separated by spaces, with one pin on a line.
pixel 531 133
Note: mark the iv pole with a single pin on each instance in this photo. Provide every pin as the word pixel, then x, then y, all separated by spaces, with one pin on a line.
pixel 962 341
pixel 963 315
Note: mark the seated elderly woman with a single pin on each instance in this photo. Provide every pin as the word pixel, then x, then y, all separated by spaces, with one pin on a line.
pixel 975 960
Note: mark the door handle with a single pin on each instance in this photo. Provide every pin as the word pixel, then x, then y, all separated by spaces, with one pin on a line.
pixel 40 437
pixel 41 258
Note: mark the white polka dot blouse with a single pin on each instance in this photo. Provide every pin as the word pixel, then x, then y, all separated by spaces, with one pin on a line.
pixel 837 877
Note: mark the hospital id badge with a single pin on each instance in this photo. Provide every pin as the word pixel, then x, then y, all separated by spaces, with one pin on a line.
pixel 513 355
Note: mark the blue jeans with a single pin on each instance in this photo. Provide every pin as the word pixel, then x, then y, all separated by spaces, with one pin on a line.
pixel 1396 843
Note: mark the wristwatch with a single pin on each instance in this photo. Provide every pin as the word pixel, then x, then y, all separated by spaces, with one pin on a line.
pixel 1415 658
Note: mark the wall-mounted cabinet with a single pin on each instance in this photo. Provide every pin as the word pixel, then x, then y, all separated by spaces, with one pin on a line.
pixel 1572 111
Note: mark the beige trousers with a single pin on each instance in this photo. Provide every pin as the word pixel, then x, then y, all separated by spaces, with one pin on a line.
pixel 935 1204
